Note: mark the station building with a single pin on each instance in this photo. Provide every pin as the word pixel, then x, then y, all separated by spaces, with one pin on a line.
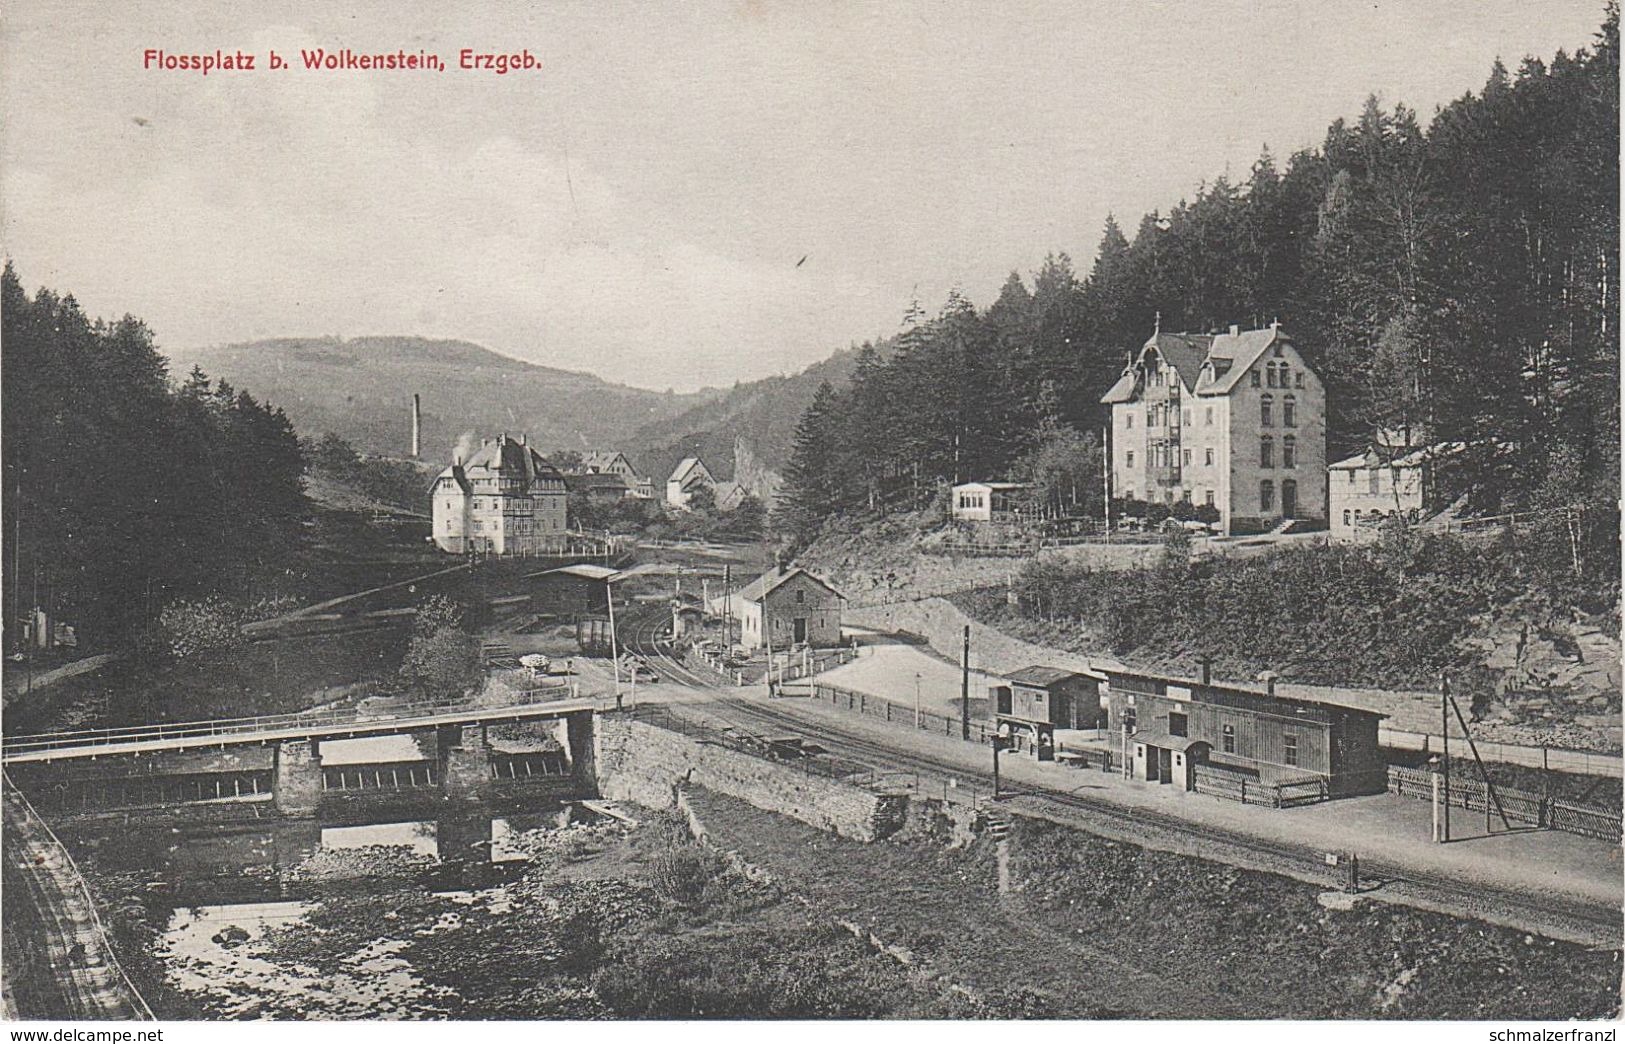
pixel 783 608
pixel 1170 727
pixel 1037 700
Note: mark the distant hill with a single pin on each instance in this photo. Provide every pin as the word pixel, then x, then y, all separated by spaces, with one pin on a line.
pixel 762 415
pixel 361 389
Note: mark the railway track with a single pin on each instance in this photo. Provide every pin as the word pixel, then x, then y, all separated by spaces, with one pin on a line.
pixel 1548 913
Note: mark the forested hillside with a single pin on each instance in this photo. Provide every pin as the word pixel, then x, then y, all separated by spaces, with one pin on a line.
pixel 361 390
pixel 762 412
pixel 1457 273
pixel 123 489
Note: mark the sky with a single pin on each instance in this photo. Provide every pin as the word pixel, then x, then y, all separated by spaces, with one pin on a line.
pixel 683 194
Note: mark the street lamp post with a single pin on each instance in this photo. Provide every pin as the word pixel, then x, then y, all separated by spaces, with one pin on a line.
pixel 917 711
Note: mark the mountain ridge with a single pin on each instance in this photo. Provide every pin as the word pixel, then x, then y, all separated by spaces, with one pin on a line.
pixel 361 389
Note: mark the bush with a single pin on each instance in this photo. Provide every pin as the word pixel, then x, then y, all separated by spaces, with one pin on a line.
pixel 684 872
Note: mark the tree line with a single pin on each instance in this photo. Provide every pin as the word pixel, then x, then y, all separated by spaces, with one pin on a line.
pixel 1459 279
pixel 125 490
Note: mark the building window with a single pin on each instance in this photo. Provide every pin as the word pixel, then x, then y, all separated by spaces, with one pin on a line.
pixel 1131 458
pixel 1210 498
pixel 1289 452
pixel 1266 495
pixel 1266 452
pixel 1351 476
pixel 1271 369
pixel 1208 416
pixel 1229 739
pixel 1289 746
pixel 1207 456
pixel 1178 724
pixel 1187 458
pixel 1130 720
pixel 1187 418
pixel 1376 481
pixel 1300 378
pixel 1345 518
pixel 1128 420
pixel 801 598
pixel 1128 494
pixel 1289 412
pixel 1266 407
pixel 1255 379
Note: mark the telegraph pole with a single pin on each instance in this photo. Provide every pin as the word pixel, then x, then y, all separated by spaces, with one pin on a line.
pixel 1444 732
pixel 614 647
pixel 964 690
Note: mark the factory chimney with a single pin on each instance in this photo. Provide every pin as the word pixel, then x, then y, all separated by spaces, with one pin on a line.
pixel 417 426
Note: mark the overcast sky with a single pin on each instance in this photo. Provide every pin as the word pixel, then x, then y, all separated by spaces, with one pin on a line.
pixel 639 206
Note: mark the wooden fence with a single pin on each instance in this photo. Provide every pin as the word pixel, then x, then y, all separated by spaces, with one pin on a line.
pixel 1521 806
pixel 898 714
pixel 1249 790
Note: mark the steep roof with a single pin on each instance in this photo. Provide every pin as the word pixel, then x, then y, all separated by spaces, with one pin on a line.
pixel 455 471
pixel 1207 364
pixel 1184 352
pixel 688 468
pixel 1123 390
pixel 598 460
pixel 1233 354
pixel 511 457
pixel 765 584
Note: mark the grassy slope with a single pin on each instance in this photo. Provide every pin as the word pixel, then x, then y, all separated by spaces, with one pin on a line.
pixel 1096 928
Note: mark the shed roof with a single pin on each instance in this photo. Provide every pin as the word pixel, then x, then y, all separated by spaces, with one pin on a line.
pixel 1040 677
pixel 991 485
pixel 1286 695
pixel 584 570
pixel 1155 738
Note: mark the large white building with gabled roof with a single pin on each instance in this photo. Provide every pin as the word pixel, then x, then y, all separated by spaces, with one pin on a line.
pixel 505 499
pixel 1236 420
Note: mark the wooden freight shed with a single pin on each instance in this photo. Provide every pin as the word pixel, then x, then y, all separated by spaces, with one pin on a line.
pixel 1172 726
pixel 573 590
pixel 1038 700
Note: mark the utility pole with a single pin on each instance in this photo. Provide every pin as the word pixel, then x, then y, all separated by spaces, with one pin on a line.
pixel 614 647
pixel 964 690
pixel 1444 759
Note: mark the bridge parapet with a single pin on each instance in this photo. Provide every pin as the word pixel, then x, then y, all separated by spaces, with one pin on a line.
pixel 332 723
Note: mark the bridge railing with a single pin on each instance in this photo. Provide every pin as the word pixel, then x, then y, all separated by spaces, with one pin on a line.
pixel 80 738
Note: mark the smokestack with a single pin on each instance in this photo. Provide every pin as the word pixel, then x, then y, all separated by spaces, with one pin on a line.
pixel 1234 330
pixel 1207 670
pixel 417 426
pixel 778 563
pixel 1268 678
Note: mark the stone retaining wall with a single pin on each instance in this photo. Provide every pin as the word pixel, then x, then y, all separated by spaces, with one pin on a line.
pixel 641 763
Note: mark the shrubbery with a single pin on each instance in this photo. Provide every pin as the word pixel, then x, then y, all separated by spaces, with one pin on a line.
pixel 1387 615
